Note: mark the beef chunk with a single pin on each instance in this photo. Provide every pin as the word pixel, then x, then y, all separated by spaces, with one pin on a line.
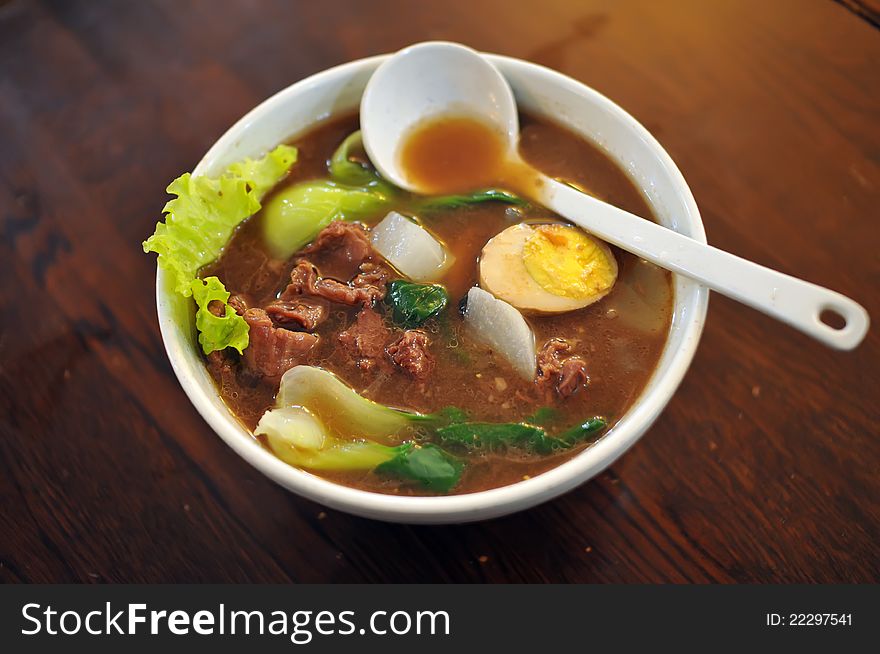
pixel 306 280
pixel 272 351
pixel 572 377
pixel 365 339
pixel 556 366
pixel 222 367
pixel 410 352
pixel 371 274
pixel 238 304
pixel 340 248
pixel 303 279
pixel 550 359
pixel 294 314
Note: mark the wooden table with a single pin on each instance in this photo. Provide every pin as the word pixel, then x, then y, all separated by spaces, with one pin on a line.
pixel 764 467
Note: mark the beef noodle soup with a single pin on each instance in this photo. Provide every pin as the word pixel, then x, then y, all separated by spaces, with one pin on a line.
pixel 421 345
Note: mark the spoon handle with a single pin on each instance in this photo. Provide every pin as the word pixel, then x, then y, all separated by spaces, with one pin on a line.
pixel 791 300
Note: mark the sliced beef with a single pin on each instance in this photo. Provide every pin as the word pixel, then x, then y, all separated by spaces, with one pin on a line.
pixel 410 352
pixel 222 367
pixel 572 377
pixel 365 339
pixel 550 359
pixel 556 366
pixel 298 314
pixel 238 304
pixel 340 248
pixel 372 275
pixel 272 351
pixel 306 280
pixel 303 279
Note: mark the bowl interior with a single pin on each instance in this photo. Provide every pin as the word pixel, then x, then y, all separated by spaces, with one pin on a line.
pixel 540 91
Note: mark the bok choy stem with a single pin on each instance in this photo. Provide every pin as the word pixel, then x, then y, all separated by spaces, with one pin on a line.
pixel 299 438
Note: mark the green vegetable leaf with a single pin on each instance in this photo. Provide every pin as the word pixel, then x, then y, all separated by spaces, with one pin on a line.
pixel 477 197
pixel 336 455
pixel 583 431
pixel 355 191
pixel 499 436
pixel 340 407
pixel 412 304
pixel 263 174
pixel 428 465
pixel 543 416
pixel 294 216
pixel 216 332
pixel 345 170
pixel 449 415
pixel 298 437
pixel 198 224
pixel 200 220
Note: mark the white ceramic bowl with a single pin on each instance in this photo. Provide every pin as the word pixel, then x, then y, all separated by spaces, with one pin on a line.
pixel 539 91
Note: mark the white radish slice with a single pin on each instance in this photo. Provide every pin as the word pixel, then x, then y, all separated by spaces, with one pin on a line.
pixel 410 248
pixel 500 326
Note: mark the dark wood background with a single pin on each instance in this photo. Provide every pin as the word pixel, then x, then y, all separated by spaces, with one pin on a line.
pixel 764 467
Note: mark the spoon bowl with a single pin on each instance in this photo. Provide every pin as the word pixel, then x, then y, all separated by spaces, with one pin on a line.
pixel 434 79
pixel 425 81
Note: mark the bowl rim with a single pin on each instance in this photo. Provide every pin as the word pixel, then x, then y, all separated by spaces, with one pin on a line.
pixel 482 504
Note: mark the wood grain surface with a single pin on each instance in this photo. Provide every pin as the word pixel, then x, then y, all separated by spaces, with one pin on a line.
pixel 764 467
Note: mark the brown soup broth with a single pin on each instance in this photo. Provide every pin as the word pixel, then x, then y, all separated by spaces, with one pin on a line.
pixel 621 337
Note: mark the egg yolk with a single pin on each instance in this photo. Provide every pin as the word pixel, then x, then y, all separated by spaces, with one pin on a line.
pixel 565 261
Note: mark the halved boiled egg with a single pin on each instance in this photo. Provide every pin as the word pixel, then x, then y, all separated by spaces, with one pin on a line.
pixel 548 268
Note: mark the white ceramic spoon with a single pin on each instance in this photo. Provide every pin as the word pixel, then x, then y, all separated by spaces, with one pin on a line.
pixel 431 79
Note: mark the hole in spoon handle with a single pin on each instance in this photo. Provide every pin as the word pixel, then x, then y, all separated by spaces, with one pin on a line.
pixel 829 317
pixel 841 322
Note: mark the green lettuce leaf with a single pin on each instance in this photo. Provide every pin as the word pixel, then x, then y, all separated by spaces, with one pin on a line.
pixel 263 174
pixel 201 219
pixel 198 224
pixel 216 332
